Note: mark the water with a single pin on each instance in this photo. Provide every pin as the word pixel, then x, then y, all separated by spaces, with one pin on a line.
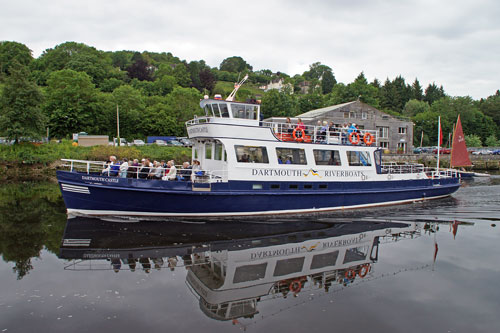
pixel 437 272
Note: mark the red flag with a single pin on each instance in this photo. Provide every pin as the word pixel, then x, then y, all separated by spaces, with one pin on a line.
pixel 440 135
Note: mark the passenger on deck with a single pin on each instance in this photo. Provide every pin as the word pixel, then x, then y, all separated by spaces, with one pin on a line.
pixel 196 170
pixel 300 124
pixel 144 171
pixel 323 131
pixel 124 168
pixel 280 160
pixel 172 171
pixel 288 125
pixel 157 171
pixel 132 169
pixel 113 167
pixel 186 171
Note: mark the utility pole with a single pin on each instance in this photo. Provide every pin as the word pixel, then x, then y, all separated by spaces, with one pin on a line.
pixel 118 124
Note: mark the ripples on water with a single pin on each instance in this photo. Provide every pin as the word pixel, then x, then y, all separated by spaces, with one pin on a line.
pixel 423 267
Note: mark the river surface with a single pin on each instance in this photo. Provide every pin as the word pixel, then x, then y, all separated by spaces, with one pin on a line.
pixel 424 267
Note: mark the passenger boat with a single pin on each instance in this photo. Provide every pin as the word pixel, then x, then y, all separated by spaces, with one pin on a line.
pixel 250 168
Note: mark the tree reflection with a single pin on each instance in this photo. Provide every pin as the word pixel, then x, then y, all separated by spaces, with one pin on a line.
pixel 32 216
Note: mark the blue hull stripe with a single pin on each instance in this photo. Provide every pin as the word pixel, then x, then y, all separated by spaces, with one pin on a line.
pixel 112 195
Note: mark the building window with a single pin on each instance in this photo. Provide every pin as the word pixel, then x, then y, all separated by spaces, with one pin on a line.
pixel 364 115
pixel 352 115
pixel 384 144
pixel 326 157
pixel 402 147
pixel 251 154
pixel 291 156
pixel 383 132
pixel 346 115
pixel 359 158
pixel 402 130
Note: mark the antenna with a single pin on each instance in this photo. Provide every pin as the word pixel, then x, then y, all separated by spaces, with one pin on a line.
pixel 237 86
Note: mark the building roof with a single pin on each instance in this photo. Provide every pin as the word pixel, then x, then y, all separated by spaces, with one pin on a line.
pixel 322 111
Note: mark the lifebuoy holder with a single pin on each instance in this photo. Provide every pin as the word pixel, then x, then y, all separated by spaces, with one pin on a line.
pixel 350 274
pixel 295 286
pixel 368 139
pixel 363 270
pixel 302 134
pixel 354 142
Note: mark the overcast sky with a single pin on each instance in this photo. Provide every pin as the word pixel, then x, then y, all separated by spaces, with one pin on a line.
pixel 454 43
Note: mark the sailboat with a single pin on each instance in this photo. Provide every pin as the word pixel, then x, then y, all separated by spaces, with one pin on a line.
pixel 459 154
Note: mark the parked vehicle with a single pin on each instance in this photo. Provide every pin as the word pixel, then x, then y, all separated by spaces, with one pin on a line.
pixel 496 152
pixel 160 143
pixel 442 150
pixel 484 151
pixel 186 142
pixel 137 142
pixel 174 143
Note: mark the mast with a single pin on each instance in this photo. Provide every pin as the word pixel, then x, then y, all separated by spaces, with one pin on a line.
pixel 237 86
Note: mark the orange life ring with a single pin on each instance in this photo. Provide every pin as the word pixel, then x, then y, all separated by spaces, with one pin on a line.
pixel 295 286
pixel 368 139
pixel 350 274
pixel 301 137
pixel 354 142
pixel 364 270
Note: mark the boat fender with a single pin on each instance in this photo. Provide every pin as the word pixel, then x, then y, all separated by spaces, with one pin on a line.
pixel 364 270
pixel 302 134
pixel 368 139
pixel 351 140
pixel 350 274
pixel 295 286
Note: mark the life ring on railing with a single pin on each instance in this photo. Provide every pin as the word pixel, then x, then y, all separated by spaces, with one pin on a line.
pixel 368 139
pixel 364 270
pixel 354 142
pixel 350 274
pixel 302 134
pixel 295 286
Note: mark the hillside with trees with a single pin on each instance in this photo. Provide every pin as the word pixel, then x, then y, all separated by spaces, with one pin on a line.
pixel 74 87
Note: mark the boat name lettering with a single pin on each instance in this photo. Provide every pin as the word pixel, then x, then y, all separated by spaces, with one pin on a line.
pixel 300 173
pixel 343 242
pixel 274 253
pixel 198 129
pixel 343 173
pixel 100 179
pixel 276 172
pixel 101 255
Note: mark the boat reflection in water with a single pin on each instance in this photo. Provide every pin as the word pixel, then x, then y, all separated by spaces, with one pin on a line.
pixel 231 267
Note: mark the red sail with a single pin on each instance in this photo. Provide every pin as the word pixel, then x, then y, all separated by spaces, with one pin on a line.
pixel 459 154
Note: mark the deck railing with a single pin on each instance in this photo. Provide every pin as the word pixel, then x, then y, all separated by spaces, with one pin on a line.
pixel 101 168
pixel 393 168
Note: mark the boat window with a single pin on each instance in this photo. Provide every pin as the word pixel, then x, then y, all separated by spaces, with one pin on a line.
pixel 249 273
pixel 324 260
pixel 356 254
pixel 251 111
pixel 218 152
pixel 251 154
pixel 238 111
pixel 224 110
pixel 308 186
pixel 293 186
pixel 288 266
pixel 291 156
pixel 208 151
pixel 323 186
pixel 275 186
pixel 326 157
pixel 359 158
pixel 208 111
pixel 256 186
pixel 216 110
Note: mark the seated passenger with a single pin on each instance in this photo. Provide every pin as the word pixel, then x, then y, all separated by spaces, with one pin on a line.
pixel 124 168
pixel 113 167
pixel 144 170
pixel 186 171
pixel 132 169
pixel 172 171
pixel 157 171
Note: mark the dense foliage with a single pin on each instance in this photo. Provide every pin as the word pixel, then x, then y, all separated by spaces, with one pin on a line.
pixel 74 87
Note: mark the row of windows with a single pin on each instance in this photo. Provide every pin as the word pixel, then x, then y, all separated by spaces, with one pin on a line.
pixel 292 186
pixel 258 154
pixel 239 110
pixel 295 265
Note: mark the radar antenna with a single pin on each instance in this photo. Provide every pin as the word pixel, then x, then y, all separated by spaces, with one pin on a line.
pixel 237 86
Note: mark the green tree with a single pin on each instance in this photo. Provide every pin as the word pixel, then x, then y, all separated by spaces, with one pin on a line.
pixel 433 93
pixel 414 107
pixel 491 108
pixel 491 141
pixel 473 140
pixel 11 52
pixel 235 65
pixel 20 113
pixel 70 103
pixel 279 104
pixel 131 106
pixel 416 91
pixel 139 68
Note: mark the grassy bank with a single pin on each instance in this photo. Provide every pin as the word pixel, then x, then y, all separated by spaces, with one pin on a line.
pixel 38 162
